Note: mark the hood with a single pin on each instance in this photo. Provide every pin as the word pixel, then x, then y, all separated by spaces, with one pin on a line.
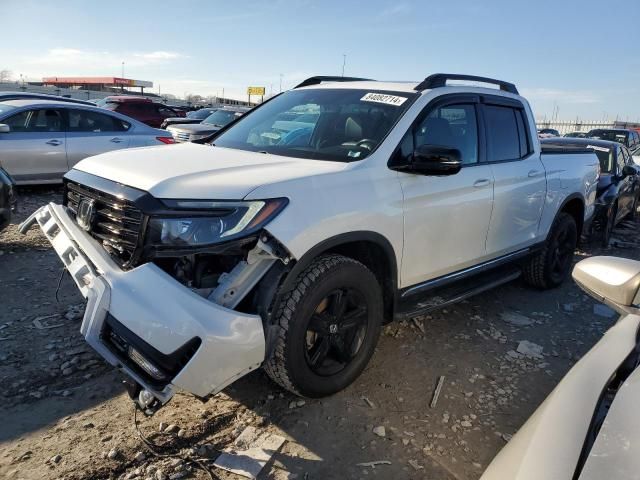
pixel 192 171
pixel 196 128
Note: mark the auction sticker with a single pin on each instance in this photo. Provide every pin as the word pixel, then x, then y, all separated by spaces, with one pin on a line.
pixel 384 98
pixel 599 149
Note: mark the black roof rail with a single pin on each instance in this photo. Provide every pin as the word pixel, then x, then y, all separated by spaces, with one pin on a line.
pixel 440 80
pixel 323 78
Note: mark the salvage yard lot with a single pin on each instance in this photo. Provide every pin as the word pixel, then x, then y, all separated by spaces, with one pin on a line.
pixel 65 413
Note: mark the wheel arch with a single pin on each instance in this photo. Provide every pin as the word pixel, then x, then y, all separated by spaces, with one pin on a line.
pixel 370 248
pixel 573 205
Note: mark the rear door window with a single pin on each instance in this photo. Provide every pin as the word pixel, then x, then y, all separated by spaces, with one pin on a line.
pixel 503 140
pixel 89 121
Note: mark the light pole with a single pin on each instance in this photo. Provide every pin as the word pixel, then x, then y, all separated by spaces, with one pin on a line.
pixel 123 69
pixel 281 82
pixel 344 62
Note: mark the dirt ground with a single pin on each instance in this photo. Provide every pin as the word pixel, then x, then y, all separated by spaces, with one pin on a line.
pixel 64 413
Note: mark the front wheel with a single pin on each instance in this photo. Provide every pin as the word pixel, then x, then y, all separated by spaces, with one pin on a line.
pixel 327 327
pixel 549 267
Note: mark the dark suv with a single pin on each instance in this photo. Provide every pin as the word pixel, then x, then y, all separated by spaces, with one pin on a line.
pixel 629 138
pixel 142 109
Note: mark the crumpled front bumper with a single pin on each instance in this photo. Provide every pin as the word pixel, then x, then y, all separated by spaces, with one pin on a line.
pixel 157 309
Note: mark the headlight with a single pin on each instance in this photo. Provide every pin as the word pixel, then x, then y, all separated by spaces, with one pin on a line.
pixel 209 222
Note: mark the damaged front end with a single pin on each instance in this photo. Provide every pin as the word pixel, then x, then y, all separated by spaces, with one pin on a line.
pixel 171 285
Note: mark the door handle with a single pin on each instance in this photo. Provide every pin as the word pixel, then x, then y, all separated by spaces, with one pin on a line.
pixel 116 140
pixel 534 173
pixel 54 143
pixel 483 182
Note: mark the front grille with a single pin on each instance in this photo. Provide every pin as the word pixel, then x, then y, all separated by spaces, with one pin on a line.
pixel 181 136
pixel 117 223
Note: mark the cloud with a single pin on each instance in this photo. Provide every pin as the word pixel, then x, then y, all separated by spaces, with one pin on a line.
pixel 158 55
pixel 561 96
pixel 62 61
pixel 397 9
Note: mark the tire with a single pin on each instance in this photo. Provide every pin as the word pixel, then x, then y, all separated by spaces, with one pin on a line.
pixel 311 341
pixel 551 266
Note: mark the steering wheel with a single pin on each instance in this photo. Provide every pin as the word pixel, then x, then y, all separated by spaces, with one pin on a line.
pixel 366 143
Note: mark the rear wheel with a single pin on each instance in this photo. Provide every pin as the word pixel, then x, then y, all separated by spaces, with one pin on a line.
pixel 549 267
pixel 327 327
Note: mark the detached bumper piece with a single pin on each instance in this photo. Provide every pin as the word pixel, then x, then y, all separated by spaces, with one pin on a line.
pixel 157 331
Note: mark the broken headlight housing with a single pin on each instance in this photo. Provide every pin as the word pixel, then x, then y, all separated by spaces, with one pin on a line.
pixel 207 222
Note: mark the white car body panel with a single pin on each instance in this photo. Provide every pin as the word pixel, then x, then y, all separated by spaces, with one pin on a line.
pixel 549 444
pixel 615 453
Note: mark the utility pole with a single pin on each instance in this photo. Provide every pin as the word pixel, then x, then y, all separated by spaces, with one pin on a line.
pixel 122 85
pixel 344 62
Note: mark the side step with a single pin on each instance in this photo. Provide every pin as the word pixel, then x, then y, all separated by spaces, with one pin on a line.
pixel 450 294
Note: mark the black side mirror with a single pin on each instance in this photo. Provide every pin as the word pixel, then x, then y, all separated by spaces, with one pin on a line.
pixel 436 160
pixel 628 171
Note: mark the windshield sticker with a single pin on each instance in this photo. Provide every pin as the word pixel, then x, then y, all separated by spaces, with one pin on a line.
pixel 599 149
pixel 383 98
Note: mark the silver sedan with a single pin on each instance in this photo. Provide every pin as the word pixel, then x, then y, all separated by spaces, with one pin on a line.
pixel 40 140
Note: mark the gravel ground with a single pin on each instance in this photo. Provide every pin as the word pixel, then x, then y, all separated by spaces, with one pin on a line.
pixel 65 413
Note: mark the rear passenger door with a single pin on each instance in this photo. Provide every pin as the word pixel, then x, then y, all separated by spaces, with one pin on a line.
pixel 34 150
pixel 91 133
pixel 446 217
pixel 520 181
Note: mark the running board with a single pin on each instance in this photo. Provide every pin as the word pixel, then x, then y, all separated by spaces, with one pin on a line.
pixel 450 294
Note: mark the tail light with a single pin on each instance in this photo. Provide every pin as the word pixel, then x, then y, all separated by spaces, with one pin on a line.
pixel 166 140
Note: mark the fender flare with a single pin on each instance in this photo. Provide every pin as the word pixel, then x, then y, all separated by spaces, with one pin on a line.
pixel 344 238
pixel 569 198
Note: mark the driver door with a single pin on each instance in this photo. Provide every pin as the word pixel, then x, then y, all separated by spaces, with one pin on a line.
pixel 446 218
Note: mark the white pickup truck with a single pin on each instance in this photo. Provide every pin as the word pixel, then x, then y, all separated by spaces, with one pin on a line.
pixel 309 222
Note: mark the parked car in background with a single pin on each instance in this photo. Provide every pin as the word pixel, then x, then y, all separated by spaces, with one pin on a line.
pixel 142 109
pixel 194 116
pixel 618 185
pixel 8 198
pixel 200 132
pixel 588 427
pixel 40 140
pixel 629 138
pixel 290 250
pixel 548 132
pixel 4 96
pixel 575 135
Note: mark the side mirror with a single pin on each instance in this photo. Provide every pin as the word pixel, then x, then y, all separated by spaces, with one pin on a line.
pixel 612 280
pixel 628 171
pixel 436 160
pixel 4 128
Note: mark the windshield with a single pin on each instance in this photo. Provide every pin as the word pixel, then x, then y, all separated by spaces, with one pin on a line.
pixel 322 124
pixel 220 118
pixel 4 108
pixel 200 114
pixel 612 135
pixel 605 155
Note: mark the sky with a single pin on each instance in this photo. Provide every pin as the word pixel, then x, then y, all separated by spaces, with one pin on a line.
pixel 571 59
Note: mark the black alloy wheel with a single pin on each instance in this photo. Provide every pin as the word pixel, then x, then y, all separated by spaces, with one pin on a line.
pixel 336 331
